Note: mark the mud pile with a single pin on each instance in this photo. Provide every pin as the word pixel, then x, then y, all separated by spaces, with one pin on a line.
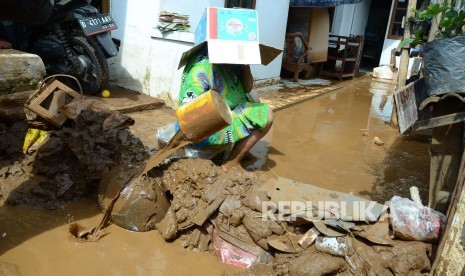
pixel 209 209
pixel 210 206
pixel 71 161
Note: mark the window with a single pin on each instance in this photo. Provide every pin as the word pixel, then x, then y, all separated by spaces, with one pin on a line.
pixel 246 4
pixel 396 28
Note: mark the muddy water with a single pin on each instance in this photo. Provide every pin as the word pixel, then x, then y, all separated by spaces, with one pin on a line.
pixel 38 243
pixel 328 142
pixel 325 142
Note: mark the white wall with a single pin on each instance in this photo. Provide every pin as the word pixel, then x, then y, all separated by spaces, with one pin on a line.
pixel 148 60
pixel 165 80
pixel 193 8
pixel 389 44
pixel 351 19
pixel 342 20
pixel 361 17
pixel 131 68
pixel 272 16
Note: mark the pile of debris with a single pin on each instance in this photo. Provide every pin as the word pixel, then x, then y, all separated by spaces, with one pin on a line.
pixel 222 212
pixel 69 162
pixel 208 209
pixel 171 21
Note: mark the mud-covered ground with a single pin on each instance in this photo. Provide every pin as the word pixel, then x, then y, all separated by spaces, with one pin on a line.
pixel 231 203
pixel 63 174
pixel 71 161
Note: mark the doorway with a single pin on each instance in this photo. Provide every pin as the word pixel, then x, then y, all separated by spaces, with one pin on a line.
pixel 375 33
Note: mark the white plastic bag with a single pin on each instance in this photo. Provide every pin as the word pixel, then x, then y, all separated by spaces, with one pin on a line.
pixel 413 221
pixel 164 134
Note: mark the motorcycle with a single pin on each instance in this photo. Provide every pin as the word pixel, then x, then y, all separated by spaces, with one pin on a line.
pixel 75 40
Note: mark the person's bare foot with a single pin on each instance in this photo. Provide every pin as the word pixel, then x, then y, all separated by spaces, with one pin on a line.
pixel 238 168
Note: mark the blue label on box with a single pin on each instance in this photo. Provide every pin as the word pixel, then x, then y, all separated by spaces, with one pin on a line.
pixel 201 30
pixel 237 24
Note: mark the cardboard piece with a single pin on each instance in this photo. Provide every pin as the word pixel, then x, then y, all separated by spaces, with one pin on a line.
pixel 325 203
pixel 232 37
pixel 283 243
pixel 203 214
pixel 326 230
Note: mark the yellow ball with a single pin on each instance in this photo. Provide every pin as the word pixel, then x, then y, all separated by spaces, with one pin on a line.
pixel 105 93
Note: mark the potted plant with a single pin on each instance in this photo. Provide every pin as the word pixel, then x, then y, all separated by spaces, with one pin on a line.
pixel 444 57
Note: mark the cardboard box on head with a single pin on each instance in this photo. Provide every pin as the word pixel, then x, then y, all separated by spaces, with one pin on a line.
pixel 232 37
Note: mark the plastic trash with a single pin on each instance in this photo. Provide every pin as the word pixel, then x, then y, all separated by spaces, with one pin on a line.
pixel 337 246
pixel 378 141
pixel 309 238
pixel 444 64
pixel 202 152
pixel 231 254
pixel 34 137
pixel 166 132
pixel 384 72
pixel 413 221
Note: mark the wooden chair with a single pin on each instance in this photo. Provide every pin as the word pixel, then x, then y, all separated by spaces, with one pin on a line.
pixel 343 57
pixel 296 59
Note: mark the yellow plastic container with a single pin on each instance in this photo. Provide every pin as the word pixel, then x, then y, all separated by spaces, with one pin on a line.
pixel 204 116
pixel 34 136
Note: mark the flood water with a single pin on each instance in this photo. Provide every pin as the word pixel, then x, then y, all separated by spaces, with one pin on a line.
pixel 325 142
pixel 38 243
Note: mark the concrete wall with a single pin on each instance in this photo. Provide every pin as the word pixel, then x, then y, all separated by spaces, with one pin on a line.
pixel 135 20
pixel 148 60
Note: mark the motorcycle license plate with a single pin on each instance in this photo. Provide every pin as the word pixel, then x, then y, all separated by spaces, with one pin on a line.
pixel 97 24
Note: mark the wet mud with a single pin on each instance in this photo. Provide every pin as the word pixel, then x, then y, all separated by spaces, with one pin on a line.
pixel 71 161
pixel 205 199
pixel 128 195
pixel 326 142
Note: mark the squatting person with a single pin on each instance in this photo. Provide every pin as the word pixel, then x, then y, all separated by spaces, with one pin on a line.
pixel 251 120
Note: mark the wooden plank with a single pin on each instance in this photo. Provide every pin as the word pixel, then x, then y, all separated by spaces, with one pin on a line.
pixel 408 99
pixel 446 150
pixel 439 121
pixel 341 58
pixel 344 43
pixel 450 259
